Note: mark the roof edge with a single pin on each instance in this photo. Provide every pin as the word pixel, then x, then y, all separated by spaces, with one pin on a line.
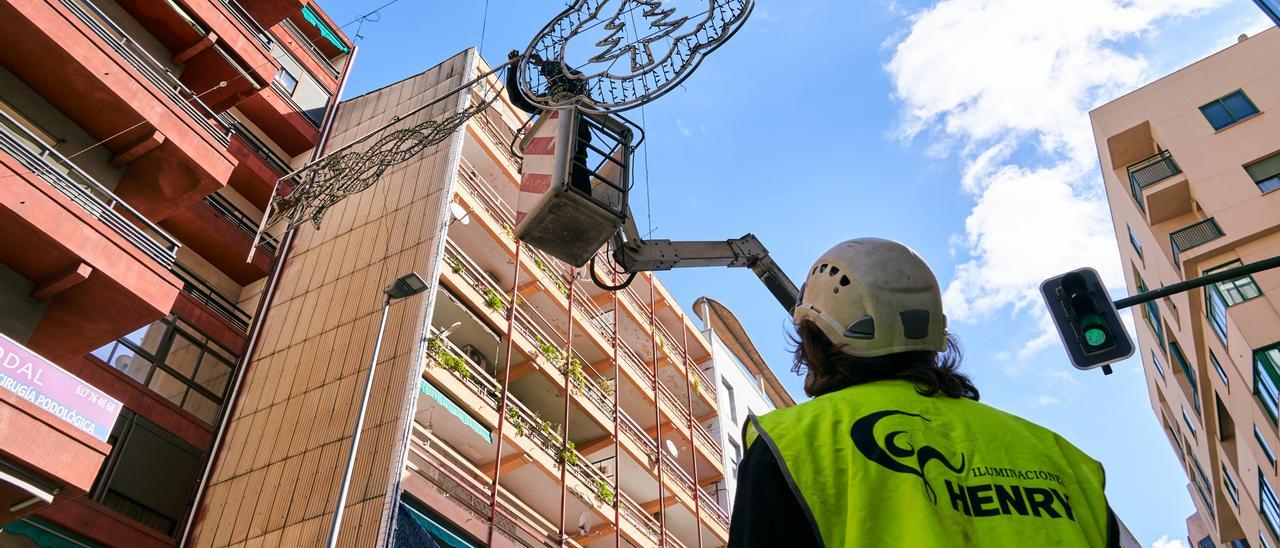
pixel 724 321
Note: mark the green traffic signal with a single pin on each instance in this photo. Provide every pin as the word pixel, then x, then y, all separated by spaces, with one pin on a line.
pixel 1095 330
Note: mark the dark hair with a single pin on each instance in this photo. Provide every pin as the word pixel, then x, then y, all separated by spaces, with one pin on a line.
pixel 830 369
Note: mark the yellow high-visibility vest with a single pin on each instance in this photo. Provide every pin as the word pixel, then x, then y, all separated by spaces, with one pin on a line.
pixel 880 465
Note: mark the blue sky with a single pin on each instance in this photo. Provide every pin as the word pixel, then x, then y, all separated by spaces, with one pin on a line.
pixel 958 127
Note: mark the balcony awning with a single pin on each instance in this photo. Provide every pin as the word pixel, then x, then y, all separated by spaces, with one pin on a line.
pixel 416 529
pixel 444 401
pixel 314 18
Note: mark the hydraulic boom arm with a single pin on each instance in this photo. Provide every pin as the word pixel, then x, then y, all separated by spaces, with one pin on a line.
pixel 638 255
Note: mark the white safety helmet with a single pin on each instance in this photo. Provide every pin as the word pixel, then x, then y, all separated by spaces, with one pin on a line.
pixel 874 297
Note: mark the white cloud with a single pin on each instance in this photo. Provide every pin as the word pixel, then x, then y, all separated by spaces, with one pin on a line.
pixel 1166 542
pixel 1045 400
pixel 1006 85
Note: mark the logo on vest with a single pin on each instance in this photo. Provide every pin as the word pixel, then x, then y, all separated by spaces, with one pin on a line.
pixel 979 500
pixel 889 453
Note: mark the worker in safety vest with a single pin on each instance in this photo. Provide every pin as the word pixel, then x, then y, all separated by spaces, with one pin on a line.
pixel 894 448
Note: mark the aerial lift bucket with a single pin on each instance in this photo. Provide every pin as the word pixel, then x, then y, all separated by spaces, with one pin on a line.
pixel 574 183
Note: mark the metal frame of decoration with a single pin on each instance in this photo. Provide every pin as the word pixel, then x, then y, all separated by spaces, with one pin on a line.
pixel 548 81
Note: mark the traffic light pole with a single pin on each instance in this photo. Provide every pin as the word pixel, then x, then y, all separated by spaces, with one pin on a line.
pixel 1229 274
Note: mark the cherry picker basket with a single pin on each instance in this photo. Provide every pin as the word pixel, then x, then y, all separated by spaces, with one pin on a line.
pixel 574 183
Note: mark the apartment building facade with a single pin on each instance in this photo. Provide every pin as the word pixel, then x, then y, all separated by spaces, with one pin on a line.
pixel 745 386
pixel 515 402
pixel 1191 163
pixel 139 143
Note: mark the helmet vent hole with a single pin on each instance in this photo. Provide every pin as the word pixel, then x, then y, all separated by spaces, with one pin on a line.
pixel 844 281
pixel 836 290
pixel 822 268
pixel 834 271
pixel 915 324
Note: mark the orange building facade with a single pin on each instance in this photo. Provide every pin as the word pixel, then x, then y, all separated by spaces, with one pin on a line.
pixel 1191 165
pixel 139 142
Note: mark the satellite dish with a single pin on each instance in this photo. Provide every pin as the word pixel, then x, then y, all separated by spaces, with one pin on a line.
pixel 671 448
pixel 584 523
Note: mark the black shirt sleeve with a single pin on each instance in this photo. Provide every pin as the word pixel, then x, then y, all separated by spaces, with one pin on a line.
pixel 766 512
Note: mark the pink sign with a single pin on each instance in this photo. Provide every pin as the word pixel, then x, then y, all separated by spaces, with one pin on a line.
pixel 62 394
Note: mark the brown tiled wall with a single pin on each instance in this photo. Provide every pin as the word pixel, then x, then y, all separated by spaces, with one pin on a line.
pixel 276 479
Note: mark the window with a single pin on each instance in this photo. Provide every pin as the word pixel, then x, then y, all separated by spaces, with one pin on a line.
pixel 1156 360
pixel 1230 486
pixel 1238 290
pixel 1181 360
pixel 730 402
pixel 1215 309
pixel 1228 110
pixel 176 361
pixel 1268 505
pixel 1191 425
pixel 1151 312
pixel 1262 444
pixel 1262 540
pixel 286 80
pixel 1202 482
pixel 149 476
pixel 1265 173
pixel 1266 378
pixel 1217 366
pixel 1133 240
pixel 736 455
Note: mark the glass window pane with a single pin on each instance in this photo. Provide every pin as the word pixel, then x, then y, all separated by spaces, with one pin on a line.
pixel 1217 115
pixel 1266 379
pixel 136 366
pixel 1270 184
pixel 183 355
pixel 148 338
pixel 201 406
pixel 1239 105
pixel 104 353
pixel 168 386
pixel 214 374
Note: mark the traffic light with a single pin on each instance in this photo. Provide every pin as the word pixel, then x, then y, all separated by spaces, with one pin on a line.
pixel 1087 320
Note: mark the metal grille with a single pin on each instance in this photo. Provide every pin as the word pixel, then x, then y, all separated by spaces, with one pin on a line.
pixel 1149 172
pixel 1197 234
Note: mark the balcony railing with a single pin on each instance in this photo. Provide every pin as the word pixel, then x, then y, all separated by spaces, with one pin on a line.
pixel 86 192
pixel 1195 235
pixel 1149 172
pixel 633 513
pixel 712 507
pixel 637 434
pixel 712 443
pixel 503 138
pixel 243 222
pixel 200 289
pixel 490 201
pixel 523 421
pixel 248 22
pixel 311 48
pixel 261 149
pixel 149 67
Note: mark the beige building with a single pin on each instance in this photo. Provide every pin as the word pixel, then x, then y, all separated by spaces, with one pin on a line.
pixel 1191 163
pixel 589 410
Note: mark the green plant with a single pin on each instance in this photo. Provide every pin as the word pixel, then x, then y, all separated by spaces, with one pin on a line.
pixel 550 352
pixel 697 385
pixel 455 264
pixel 513 417
pixel 491 299
pixel 569 454
pixel 574 370
pixel 604 492
pixel 456 364
pixel 662 343
pixel 546 428
pixel 509 230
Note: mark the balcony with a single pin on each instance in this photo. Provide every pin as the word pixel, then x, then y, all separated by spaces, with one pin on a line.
pixel 259 167
pixel 1192 236
pixel 74 238
pixel 222 234
pixel 213 42
pixel 212 299
pixel 1160 194
pixel 75 57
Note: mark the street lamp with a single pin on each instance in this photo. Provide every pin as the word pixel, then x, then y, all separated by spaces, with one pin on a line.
pixel 405 286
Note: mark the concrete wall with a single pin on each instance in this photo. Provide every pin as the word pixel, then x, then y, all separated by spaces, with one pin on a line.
pixel 1214 184
pixel 276 478
pixel 747 399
